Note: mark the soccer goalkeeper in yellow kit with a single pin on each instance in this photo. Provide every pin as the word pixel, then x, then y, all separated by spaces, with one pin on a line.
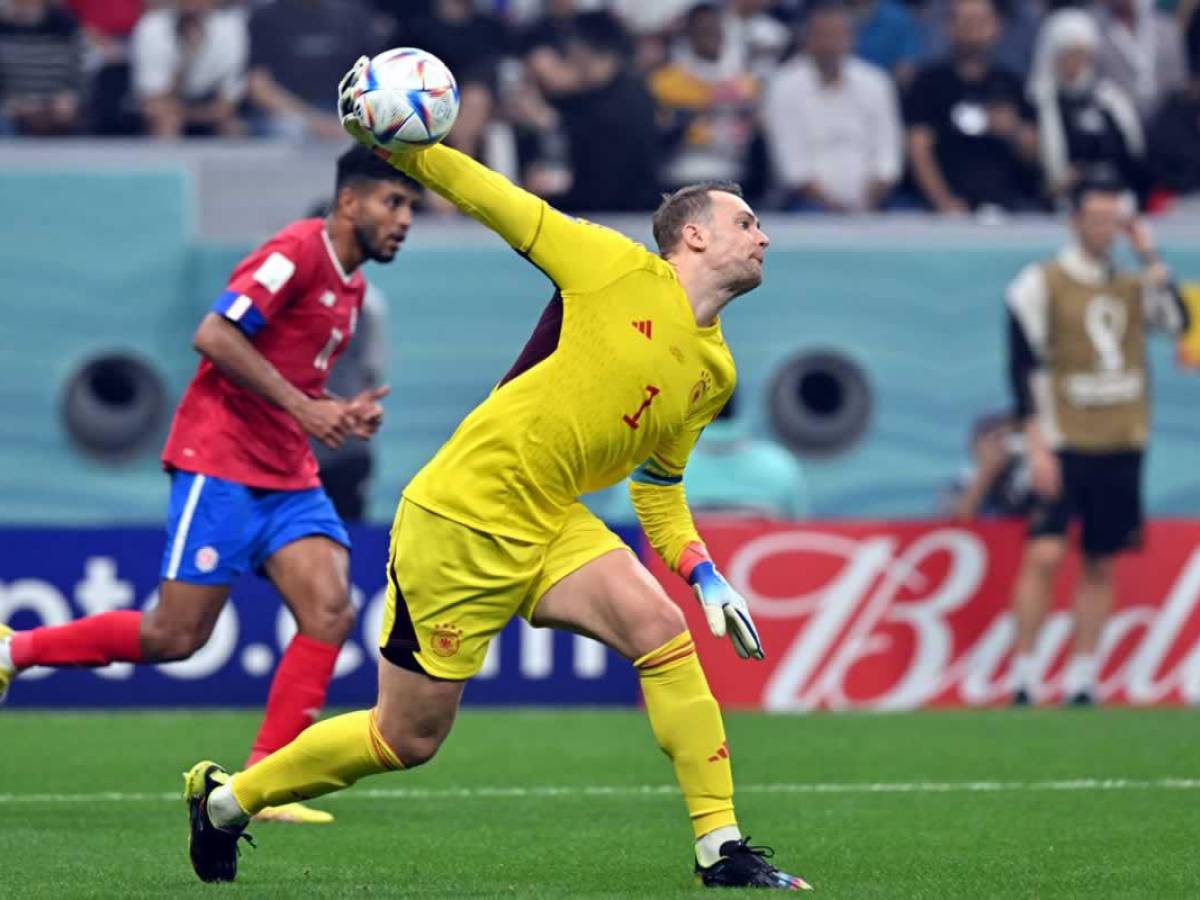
pixel 625 368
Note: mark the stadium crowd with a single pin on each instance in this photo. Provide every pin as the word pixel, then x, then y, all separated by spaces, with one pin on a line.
pixel 820 106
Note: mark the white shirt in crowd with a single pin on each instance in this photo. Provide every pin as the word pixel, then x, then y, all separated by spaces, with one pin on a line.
pixel 840 136
pixel 217 68
pixel 641 17
pixel 1147 61
pixel 757 42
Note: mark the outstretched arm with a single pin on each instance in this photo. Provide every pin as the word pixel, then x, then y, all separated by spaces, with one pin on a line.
pixel 576 255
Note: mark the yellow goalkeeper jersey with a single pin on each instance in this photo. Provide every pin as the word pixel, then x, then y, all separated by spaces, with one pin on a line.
pixel 616 373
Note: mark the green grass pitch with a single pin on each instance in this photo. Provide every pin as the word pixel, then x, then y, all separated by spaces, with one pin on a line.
pixel 999 803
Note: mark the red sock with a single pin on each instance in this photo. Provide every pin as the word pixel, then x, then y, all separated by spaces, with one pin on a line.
pixel 94 641
pixel 297 694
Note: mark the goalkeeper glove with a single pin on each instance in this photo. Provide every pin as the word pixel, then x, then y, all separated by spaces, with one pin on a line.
pixel 350 88
pixel 725 609
pixel 352 112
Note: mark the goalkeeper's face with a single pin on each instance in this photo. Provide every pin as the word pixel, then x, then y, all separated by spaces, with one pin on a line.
pixel 383 213
pixel 737 245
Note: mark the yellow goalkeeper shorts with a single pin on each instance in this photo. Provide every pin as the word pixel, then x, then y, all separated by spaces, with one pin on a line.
pixel 451 589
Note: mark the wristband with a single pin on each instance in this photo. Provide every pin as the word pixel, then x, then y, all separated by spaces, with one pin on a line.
pixel 704 575
pixel 693 555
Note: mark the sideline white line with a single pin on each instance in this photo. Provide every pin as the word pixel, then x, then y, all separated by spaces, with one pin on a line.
pixel 656 790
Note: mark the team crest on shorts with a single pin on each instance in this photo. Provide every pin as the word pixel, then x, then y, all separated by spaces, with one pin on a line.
pixel 445 640
pixel 207 559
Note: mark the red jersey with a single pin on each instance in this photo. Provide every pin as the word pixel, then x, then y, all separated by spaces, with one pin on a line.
pixel 296 305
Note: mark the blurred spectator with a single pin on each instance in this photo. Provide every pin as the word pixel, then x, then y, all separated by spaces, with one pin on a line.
pixel 544 46
pixel 518 13
pixel 107 25
pixel 708 102
pixel 1088 127
pixel 470 43
pixel 1189 20
pixel 547 74
pixel 832 121
pixel 757 39
pixel 643 17
pixel 40 69
pixel 299 50
pixel 1141 49
pixel 189 68
pixel 970 131
pixel 887 35
pixel 1019 22
pixel 733 473
pixel 110 18
pixel 1174 133
pixel 996 483
pixel 609 122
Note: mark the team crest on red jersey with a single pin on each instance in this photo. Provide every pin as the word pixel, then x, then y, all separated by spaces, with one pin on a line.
pixel 445 640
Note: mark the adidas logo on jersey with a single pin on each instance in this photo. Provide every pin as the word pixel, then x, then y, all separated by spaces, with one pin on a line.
pixel 645 326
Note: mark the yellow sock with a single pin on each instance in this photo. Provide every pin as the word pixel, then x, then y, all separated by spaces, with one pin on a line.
pixel 687 725
pixel 326 757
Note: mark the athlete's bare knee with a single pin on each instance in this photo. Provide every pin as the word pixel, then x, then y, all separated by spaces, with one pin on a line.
pixel 329 619
pixel 668 621
pixel 416 750
pixel 413 744
pixel 658 623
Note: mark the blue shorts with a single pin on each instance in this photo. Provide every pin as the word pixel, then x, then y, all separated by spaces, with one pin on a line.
pixel 217 529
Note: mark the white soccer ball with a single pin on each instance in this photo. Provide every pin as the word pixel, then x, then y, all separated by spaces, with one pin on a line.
pixel 409 98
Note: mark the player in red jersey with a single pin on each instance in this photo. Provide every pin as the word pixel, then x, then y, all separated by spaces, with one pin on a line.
pixel 244 486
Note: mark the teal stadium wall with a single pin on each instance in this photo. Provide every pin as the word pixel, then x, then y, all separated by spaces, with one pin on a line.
pixel 92 262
